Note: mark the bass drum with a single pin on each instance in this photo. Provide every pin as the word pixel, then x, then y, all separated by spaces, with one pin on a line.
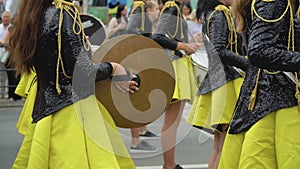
pixel 200 64
pixel 147 59
pixel 94 29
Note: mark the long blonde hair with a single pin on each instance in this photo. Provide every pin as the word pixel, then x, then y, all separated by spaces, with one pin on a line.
pixel 239 11
pixel 24 37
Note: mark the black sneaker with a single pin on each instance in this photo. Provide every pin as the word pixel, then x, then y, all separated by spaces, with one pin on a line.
pixel 143 147
pixel 176 167
pixel 148 135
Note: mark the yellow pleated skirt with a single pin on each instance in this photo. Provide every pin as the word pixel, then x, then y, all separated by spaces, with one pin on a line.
pixel 271 143
pixel 216 107
pixel 27 89
pixel 82 135
pixel 185 83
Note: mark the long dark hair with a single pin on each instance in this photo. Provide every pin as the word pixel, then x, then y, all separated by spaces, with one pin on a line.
pixel 23 41
pixel 187 4
pixel 119 13
pixel 204 6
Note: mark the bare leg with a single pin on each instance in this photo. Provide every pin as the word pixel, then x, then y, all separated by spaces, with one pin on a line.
pixel 143 129
pixel 222 137
pixel 135 134
pixel 169 132
pixel 215 151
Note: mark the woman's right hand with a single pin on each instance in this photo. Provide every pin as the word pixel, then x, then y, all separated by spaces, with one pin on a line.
pixel 122 25
pixel 189 48
pixel 123 86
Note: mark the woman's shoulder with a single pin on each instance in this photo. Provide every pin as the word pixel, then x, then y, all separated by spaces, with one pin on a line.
pixel 113 21
pixel 270 9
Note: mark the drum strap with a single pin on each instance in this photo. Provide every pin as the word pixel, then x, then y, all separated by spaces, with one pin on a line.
pixel 127 78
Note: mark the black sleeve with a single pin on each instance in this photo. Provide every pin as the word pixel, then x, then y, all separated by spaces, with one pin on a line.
pixel 76 58
pixel 166 24
pixel 268 41
pixel 218 35
pixel 134 22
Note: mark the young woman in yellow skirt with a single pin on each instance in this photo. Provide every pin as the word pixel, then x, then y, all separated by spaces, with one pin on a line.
pixel 219 90
pixel 171 33
pixel 69 127
pixel 264 132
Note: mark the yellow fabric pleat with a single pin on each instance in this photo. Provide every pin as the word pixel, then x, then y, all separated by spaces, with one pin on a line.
pixel 185 83
pixel 25 84
pixel 216 107
pixel 26 88
pixel 272 142
pixel 82 135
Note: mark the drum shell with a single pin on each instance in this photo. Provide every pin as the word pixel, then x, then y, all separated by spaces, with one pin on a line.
pixel 145 57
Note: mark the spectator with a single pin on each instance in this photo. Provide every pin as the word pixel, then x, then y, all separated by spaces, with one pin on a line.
pixel 117 25
pixel 195 27
pixel 186 10
pixel 6 19
pixel 3 30
pixel 11 73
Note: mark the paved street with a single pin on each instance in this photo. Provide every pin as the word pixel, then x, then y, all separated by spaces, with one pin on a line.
pixel 193 150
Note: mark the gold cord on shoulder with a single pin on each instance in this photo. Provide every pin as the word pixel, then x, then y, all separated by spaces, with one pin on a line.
pixel 232 38
pixel 269 20
pixel 170 4
pixel 291 47
pixel 73 12
pixel 141 4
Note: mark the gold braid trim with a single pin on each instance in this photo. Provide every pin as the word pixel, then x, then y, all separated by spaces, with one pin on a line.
pixel 141 4
pixel 291 46
pixel 232 38
pixel 170 4
pixel 73 12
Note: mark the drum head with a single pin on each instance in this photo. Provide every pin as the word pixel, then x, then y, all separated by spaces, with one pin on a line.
pixel 148 59
pixel 93 28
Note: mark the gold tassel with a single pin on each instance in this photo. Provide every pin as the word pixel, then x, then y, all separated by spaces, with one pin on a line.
pixel 254 93
pixel 252 99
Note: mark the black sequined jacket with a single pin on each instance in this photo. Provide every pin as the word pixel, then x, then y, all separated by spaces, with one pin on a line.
pixel 134 25
pixel 76 62
pixel 167 25
pixel 267 49
pixel 221 57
